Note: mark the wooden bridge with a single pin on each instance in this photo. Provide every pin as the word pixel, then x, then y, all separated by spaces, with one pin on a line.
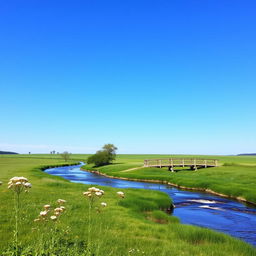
pixel 194 164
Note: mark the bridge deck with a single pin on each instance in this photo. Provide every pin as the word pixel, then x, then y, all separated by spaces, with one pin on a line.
pixel 181 162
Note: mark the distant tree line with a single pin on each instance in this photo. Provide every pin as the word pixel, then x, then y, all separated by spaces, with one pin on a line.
pixel 7 153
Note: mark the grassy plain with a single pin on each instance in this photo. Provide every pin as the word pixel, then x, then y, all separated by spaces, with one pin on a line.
pixel 130 226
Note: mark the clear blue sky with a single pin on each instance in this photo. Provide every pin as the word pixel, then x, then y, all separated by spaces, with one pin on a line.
pixel 149 76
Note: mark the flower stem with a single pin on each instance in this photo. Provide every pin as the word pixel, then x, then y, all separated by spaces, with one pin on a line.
pixel 17 213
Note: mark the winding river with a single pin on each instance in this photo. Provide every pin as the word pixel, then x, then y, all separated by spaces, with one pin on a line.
pixel 201 209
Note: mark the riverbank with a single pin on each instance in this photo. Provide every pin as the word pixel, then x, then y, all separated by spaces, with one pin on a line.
pixel 235 178
pixel 206 190
pixel 132 224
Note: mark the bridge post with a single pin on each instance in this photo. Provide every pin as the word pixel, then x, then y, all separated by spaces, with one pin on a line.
pixel 171 169
pixel 195 167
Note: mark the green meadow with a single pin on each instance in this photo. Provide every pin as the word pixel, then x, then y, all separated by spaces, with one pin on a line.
pixel 133 225
pixel 235 176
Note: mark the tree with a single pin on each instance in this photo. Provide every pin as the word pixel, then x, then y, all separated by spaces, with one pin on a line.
pixel 104 156
pixel 111 149
pixel 65 155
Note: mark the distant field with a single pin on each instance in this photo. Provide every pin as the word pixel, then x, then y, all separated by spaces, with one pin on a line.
pixel 133 225
pixel 139 158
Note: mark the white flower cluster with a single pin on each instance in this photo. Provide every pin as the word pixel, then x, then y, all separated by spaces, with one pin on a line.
pixel 56 212
pixel 92 192
pixel 120 194
pixel 18 184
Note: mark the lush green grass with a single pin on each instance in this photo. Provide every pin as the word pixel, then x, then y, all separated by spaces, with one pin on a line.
pixel 236 175
pixel 130 226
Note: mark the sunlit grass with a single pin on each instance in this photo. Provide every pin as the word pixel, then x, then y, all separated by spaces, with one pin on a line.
pixel 236 175
pixel 132 225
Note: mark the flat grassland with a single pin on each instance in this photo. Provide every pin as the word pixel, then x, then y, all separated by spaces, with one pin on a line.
pixel 130 226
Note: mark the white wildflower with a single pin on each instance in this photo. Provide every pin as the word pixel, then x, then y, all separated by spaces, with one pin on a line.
pixel 43 213
pixel 53 217
pixel 93 189
pixel 120 194
pixel 47 206
pixel 58 209
pixel 28 185
pixel 63 208
pixel 99 194
pixel 61 201
pixel 103 204
pixel 18 184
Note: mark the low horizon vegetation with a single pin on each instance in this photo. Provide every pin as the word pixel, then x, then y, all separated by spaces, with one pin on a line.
pixel 133 226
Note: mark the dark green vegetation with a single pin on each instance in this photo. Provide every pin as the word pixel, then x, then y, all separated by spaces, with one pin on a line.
pixel 104 156
pixel 133 225
pixel 235 177
pixel 7 153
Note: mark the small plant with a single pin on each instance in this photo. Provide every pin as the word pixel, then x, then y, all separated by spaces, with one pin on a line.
pixel 92 194
pixel 48 219
pixel 18 185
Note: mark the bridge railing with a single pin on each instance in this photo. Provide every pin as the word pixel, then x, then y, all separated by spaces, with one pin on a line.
pixel 180 162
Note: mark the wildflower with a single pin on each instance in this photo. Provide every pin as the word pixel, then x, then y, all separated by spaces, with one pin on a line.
pixel 93 189
pixel 103 204
pixel 120 194
pixel 14 179
pixel 43 213
pixel 27 185
pixel 58 210
pixel 1 183
pixel 36 220
pixel 61 201
pixel 63 208
pixel 53 218
pixel 23 179
pixel 99 194
pixel 47 206
pixel 18 184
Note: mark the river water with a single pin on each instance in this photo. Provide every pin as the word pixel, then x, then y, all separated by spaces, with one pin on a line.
pixel 201 209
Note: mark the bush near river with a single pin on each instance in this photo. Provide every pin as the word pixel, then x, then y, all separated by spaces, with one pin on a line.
pixel 132 225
